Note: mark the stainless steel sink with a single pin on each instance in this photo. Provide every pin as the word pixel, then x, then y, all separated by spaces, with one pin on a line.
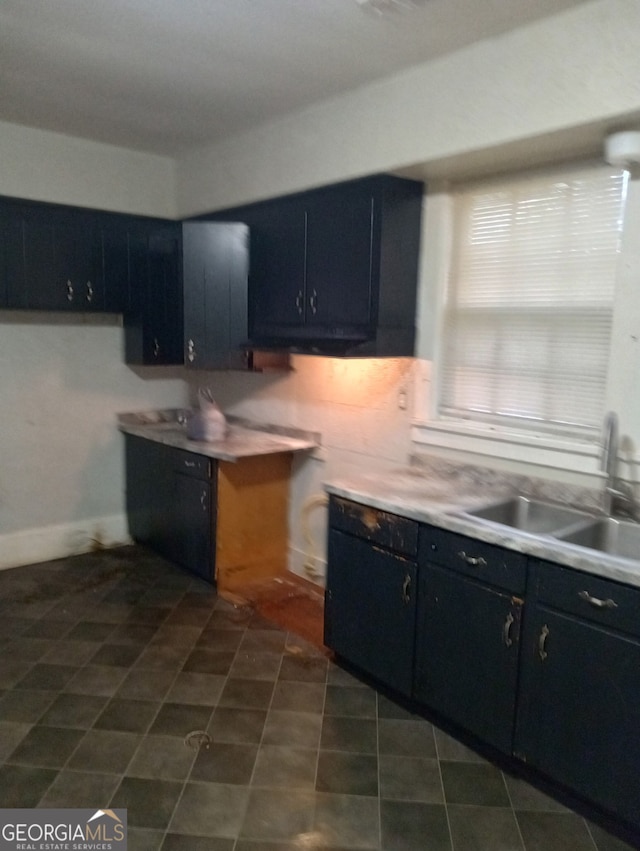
pixel 608 535
pixel 529 515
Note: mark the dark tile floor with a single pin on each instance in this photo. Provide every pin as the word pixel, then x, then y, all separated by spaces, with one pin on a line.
pixel 110 660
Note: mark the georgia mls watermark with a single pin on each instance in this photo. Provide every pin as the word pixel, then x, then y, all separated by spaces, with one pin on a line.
pixel 63 830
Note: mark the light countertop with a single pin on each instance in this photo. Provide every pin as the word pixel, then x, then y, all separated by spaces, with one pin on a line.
pixel 243 440
pixel 440 493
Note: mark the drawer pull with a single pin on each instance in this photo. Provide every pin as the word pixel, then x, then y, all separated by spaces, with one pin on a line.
pixel 542 641
pixel 506 630
pixel 189 463
pixel 406 598
pixel 474 561
pixel 597 602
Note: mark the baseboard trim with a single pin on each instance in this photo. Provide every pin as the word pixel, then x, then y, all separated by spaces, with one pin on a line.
pixel 312 569
pixel 31 546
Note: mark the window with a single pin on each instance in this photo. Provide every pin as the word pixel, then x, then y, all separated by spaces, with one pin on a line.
pixel 529 304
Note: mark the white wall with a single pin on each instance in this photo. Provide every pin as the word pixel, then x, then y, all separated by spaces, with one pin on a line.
pixel 63 379
pixel 62 382
pixel 43 166
pixel 356 407
pixel 549 83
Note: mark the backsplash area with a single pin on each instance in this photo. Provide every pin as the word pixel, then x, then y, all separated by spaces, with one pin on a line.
pixel 362 410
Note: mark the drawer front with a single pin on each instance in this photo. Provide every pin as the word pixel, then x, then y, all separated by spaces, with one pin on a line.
pixel 387 530
pixel 592 598
pixel 191 464
pixel 477 559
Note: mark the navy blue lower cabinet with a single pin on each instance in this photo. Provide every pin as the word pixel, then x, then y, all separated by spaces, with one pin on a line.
pixel 172 503
pixel 149 493
pixel 370 609
pixel 193 541
pixel 579 709
pixel 467 642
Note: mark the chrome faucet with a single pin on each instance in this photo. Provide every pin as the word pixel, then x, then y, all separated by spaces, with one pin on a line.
pixel 618 496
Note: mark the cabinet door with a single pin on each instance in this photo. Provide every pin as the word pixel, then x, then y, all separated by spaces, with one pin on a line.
pixel 467 653
pixel 215 263
pixel 163 309
pixel 370 609
pixel 54 260
pixel 195 251
pixel 579 709
pixel 5 235
pixel 149 493
pixel 114 234
pixel 277 273
pixel 30 262
pixel 77 279
pixel 153 315
pixel 192 527
pixel 339 244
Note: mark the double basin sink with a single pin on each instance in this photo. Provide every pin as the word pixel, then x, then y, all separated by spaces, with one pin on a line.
pixel 620 538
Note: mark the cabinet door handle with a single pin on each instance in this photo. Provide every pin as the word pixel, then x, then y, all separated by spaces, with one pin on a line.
pixel 406 597
pixel 69 291
pixel 542 642
pixel 299 302
pixel 313 302
pixel 474 561
pixel 597 602
pixel 156 347
pixel 89 291
pixel 191 351
pixel 506 630
pixel 203 500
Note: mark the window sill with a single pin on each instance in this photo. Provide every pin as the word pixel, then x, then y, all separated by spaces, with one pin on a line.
pixel 538 449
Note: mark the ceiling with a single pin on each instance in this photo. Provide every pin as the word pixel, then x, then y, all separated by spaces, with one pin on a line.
pixel 166 76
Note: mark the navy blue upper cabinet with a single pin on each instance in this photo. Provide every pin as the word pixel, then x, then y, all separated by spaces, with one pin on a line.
pixel 277 304
pixel 216 267
pixel 62 258
pixel 4 245
pixel 339 272
pixel 335 270
pixel 54 259
pixel 114 230
pixel 153 315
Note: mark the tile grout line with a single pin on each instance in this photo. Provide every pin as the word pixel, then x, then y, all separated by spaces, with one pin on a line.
pixel 444 796
pixel 515 814
pixel 213 710
pixel 144 735
pixel 109 698
pixel 61 691
pixel 379 773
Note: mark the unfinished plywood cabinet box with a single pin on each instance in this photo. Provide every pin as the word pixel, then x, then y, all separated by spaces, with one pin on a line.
pixel 225 521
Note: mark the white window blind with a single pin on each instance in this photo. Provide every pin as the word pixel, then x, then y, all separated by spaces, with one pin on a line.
pixel 529 305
